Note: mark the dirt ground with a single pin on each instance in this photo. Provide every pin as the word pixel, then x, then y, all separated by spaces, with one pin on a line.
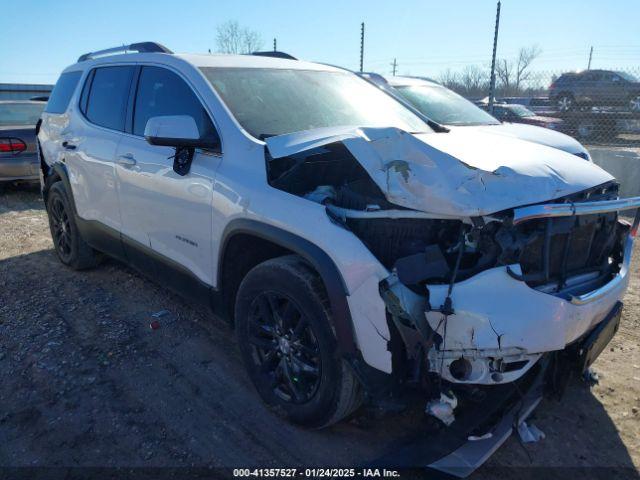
pixel 84 381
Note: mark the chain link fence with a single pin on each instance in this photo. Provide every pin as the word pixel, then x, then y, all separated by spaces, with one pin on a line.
pixel 598 106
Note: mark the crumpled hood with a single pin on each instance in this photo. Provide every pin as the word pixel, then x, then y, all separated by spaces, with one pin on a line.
pixel 463 173
pixel 532 133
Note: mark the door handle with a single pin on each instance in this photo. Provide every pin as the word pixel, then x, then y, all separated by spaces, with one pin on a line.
pixel 68 145
pixel 126 160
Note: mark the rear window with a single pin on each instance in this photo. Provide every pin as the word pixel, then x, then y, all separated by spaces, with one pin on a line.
pixel 20 113
pixel 108 95
pixel 62 92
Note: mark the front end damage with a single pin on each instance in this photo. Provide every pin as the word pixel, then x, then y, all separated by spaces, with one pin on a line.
pixel 492 264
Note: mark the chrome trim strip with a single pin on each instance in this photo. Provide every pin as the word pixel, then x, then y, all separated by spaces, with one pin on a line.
pixel 613 284
pixel 567 209
pixel 348 213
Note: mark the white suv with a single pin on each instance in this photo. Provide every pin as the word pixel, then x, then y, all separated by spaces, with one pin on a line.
pixel 358 250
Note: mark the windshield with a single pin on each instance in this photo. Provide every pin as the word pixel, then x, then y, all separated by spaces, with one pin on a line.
pixel 20 113
pixel 268 102
pixel 521 111
pixel 627 76
pixel 444 106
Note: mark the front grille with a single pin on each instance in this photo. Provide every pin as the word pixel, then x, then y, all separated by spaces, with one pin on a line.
pixel 553 250
pixel 560 248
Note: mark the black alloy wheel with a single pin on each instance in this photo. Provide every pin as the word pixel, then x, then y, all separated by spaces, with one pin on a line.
pixel 285 347
pixel 283 323
pixel 61 229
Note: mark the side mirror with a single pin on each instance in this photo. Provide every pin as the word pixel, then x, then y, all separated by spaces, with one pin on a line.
pixel 181 132
pixel 172 131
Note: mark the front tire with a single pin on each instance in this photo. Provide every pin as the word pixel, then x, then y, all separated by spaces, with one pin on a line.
pixel 288 346
pixel 69 245
pixel 634 103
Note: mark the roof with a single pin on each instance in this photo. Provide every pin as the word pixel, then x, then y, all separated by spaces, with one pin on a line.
pixel 251 61
pixel 582 72
pixel 206 60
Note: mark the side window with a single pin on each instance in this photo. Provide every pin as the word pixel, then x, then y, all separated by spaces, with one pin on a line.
pixel 499 113
pixel 106 103
pixel 161 92
pixel 62 92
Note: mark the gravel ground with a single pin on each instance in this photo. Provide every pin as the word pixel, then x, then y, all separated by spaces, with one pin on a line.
pixel 84 381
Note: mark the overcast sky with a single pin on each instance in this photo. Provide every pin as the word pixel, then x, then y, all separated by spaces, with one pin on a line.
pixel 40 38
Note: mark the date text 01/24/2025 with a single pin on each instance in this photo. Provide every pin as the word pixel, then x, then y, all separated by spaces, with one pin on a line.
pixel 316 472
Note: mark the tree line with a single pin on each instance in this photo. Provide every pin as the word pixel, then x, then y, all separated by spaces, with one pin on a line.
pixel 513 77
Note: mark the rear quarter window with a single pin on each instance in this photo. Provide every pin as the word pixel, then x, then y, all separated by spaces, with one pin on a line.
pixel 62 92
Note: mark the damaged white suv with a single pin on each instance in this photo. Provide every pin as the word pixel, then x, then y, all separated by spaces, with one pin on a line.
pixel 360 250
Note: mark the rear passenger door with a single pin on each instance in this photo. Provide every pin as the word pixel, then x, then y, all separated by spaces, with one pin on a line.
pixel 161 211
pixel 91 141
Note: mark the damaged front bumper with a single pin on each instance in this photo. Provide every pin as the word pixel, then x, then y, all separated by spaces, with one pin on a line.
pixel 493 327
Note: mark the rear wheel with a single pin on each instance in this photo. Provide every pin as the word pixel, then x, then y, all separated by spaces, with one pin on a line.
pixel 565 102
pixel 69 245
pixel 287 344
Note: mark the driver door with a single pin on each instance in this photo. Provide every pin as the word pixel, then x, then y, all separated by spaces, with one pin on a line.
pixel 165 216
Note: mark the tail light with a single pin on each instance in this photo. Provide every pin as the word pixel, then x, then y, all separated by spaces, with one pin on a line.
pixel 12 145
pixel 634 226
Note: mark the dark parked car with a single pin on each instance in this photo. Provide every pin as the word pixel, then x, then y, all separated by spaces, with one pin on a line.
pixel 514 113
pixel 18 155
pixel 595 88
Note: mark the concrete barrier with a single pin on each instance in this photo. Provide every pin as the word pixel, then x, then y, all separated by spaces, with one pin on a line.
pixel 622 163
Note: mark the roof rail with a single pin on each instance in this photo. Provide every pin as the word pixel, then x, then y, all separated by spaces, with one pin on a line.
pixel 275 54
pixel 141 47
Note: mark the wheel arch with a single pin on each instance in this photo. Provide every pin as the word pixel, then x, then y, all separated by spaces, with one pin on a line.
pixel 564 93
pixel 56 173
pixel 282 242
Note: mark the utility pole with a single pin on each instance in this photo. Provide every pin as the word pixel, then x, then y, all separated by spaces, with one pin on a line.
pixel 492 85
pixel 361 45
pixel 590 56
pixel 395 66
pixel 275 44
